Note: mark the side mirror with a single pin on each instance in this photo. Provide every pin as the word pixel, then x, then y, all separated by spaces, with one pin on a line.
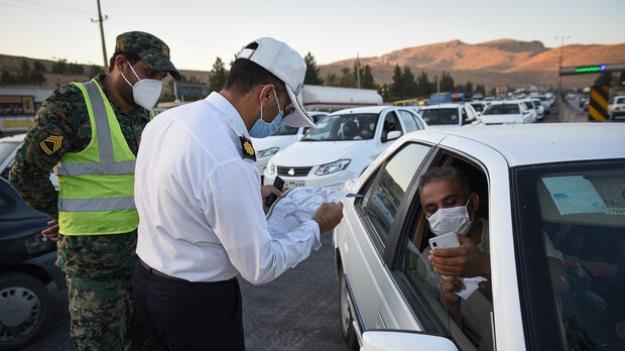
pixel 395 134
pixel 349 185
pixel 382 340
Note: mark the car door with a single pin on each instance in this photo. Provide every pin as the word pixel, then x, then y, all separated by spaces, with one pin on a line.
pixel 492 315
pixel 408 121
pixel 366 229
pixel 16 217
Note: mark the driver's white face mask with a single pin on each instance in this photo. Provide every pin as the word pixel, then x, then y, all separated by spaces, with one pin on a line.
pixel 145 92
pixel 451 220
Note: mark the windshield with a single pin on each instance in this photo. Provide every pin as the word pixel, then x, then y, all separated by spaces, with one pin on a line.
pixel 285 130
pixel 503 109
pixel 343 127
pixel 440 116
pixel 6 148
pixel 620 101
pixel 529 105
pixel 577 223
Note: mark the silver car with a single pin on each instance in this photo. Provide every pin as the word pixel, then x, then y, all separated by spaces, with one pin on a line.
pixel 552 198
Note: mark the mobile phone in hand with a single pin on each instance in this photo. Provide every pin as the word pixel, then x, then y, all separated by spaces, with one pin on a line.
pixel 278 183
pixel 444 241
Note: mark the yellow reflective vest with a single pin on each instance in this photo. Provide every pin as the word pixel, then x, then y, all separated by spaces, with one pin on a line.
pixel 96 184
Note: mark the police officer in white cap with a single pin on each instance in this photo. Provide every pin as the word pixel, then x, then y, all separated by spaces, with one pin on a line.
pixel 198 195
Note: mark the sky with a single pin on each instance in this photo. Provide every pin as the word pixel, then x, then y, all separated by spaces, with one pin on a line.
pixel 198 31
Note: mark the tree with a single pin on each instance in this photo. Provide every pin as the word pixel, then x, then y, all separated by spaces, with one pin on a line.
pixel 396 89
pixel 480 89
pixel 493 91
pixel 39 67
pixel 24 76
pixel 366 78
pixel 312 72
pixel 468 87
pixel 7 78
pixel 347 78
pixel 409 85
pixel 60 66
pixel 218 76
pixel 36 78
pixel 94 70
pixel 447 82
pixel 424 86
pixel 331 80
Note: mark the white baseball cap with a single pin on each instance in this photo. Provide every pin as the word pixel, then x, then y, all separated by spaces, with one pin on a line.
pixel 286 64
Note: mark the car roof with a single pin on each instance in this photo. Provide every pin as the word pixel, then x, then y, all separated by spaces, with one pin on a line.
pixel 13 138
pixel 446 105
pixel 365 109
pixel 528 144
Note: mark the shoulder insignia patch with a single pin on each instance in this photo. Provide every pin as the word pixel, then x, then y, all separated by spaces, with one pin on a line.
pixel 51 144
pixel 248 148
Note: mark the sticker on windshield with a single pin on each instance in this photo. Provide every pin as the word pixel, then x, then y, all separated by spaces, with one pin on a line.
pixel 574 195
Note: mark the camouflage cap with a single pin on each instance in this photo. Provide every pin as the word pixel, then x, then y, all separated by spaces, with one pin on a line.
pixel 153 51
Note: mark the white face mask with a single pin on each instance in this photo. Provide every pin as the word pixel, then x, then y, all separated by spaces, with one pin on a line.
pixel 145 92
pixel 451 220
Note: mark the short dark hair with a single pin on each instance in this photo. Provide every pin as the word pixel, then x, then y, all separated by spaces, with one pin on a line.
pixel 245 75
pixel 445 173
pixel 130 56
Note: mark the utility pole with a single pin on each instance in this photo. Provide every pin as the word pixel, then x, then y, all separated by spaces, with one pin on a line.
pixel 561 37
pixel 100 20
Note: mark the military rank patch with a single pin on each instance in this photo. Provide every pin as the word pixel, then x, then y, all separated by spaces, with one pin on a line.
pixel 51 144
pixel 248 148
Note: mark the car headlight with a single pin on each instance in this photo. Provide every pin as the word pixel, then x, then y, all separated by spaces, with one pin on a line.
pixel 268 152
pixel 333 167
pixel 271 168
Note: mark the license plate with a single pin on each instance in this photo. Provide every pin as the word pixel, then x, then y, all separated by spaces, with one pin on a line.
pixel 294 183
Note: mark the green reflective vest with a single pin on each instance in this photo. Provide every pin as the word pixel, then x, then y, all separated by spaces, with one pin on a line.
pixel 96 184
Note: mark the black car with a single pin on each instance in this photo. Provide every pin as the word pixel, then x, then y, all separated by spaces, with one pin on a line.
pixel 26 268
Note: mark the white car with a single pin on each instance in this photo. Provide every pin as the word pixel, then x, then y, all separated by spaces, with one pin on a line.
pixel 617 108
pixel 507 112
pixel 281 139
pixel 8 150
pixel 341 146
pixel 555 219
pixel 540 109
pixel 529 103
pixel 449 115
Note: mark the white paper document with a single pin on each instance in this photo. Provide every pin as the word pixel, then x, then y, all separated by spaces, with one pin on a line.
pixel 574 195
pixel 297 206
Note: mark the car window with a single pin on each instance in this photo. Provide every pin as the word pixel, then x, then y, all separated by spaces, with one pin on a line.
pixel 465 316
pixel 343 127
pixel 6 149
pixel 391 123
pixel 286 130
pixel 409 121
pixel 440 116
pixel 384 195
pixel 578 221
pixel 502 109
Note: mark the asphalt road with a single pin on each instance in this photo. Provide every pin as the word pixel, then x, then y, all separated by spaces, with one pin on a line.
pixel 297 311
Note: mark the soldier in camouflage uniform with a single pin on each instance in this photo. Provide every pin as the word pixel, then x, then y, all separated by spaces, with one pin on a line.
pixel 98 268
